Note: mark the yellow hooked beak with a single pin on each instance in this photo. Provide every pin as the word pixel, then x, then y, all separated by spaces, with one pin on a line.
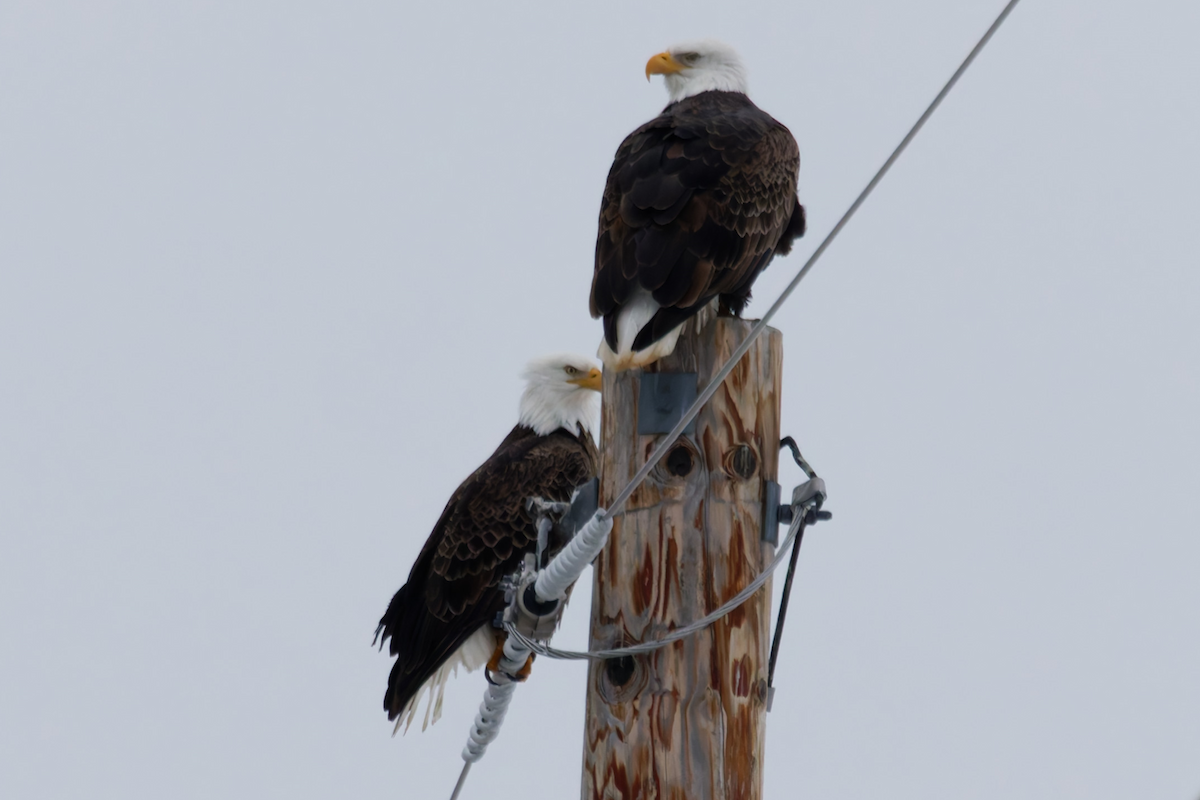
pixel 663 64
pixel 590 381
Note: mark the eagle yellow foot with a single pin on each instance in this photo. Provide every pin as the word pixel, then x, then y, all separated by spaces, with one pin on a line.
pixel 493 664
pixel 525 670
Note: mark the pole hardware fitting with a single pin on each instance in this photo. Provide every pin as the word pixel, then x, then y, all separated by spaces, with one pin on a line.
pixel 547 512
pixel 584 502
pixel 534 618
pixel 805 510
pixel 808 497
pixel 565 519
pixel 663 399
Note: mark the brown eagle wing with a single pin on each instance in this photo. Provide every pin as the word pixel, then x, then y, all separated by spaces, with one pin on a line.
pixel 482 535
pixel 697 203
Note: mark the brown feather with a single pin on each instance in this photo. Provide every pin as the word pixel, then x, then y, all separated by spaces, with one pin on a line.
pixel 697 203
pixel 482 536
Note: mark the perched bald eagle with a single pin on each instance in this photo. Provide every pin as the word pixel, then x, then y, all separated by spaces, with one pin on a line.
pixel 697 203
pixel 442 617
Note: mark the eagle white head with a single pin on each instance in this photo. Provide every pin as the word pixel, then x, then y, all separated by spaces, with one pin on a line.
pixel 695 67
pixel 561 391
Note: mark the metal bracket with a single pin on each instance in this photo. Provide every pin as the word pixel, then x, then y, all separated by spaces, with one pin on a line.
pixel 771 510
pixel 533 618
pixel 566 519
pixel 584 503
pixel 663 398
pixel 548 512
pixel 808 497
pixel 810 493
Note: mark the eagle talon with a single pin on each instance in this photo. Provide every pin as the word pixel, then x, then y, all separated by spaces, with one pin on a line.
pixel 493 664
pixel 522 674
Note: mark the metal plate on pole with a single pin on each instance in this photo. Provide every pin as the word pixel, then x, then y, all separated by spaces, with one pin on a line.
pixel 663 397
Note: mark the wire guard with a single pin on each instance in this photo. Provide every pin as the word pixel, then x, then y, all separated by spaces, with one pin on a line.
pixel 568 565
pixel 488 720
pixel 552 584
pixel 495 701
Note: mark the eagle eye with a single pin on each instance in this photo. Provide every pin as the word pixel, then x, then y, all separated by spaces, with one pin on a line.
pixel 571 370
pixel 689 58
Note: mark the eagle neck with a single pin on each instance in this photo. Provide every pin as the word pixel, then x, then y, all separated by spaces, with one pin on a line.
pixel 683 85
pixel 545 408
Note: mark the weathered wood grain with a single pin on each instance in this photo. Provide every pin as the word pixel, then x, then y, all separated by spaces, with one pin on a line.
pixel 687 721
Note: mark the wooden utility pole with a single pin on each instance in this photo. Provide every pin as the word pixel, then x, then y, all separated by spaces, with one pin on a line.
pixel 687 721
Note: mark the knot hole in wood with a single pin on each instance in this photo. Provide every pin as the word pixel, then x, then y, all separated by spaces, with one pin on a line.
pixel 622 679
pixel 679 464
pixel 741 461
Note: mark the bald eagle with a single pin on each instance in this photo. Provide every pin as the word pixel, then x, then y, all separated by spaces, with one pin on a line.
pixel 443 616
pixel 698 201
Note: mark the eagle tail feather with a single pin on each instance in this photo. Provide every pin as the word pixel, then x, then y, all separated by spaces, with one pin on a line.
pixel 648 332
pixel 471 655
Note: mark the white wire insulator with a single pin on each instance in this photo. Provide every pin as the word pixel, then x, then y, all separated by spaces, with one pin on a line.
pixel 488 720
pixel 495 702
pixel 679 633
pixel 568 565
pixel 516 654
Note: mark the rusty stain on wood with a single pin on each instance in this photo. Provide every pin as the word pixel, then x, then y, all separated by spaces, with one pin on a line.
pixel 691 720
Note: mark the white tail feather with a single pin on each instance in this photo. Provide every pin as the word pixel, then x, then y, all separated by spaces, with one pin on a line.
pixel 472 655
pixel 635 315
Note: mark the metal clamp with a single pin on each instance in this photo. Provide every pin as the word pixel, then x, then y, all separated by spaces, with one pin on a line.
pixel 534 618
pixel 564 518
pixel 584 502
pixel 811 495
pixel 808 497
pixel 663 398
pixel 548 512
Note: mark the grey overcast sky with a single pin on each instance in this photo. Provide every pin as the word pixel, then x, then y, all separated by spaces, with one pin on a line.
pixel 269 272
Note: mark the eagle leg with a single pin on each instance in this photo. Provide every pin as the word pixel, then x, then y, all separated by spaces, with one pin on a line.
pixel 525 670
pixel 493 664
